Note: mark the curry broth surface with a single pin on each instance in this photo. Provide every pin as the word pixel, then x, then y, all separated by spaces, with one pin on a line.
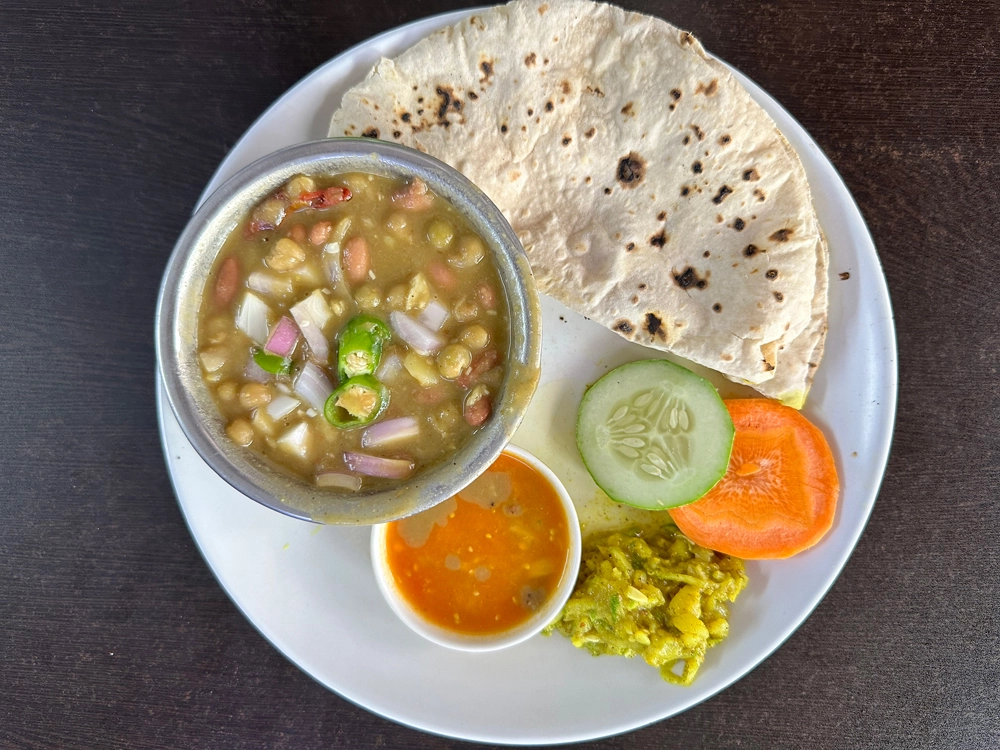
pixel 401 245
pixel 487 560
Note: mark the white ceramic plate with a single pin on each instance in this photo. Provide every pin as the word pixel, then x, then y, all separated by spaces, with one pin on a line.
pixel 310 589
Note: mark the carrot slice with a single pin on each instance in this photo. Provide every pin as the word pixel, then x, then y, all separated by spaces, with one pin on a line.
pixel 779 494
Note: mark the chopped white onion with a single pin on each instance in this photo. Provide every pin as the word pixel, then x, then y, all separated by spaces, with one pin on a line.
pixel 268 284
pixel 331 262
pixel 213 359
pixel 281 406
pixel 296 440
pixel 313 386
pixel 252 318
pixel 312 314
pixel 376 466
pixel 340 481
pixel 389 432
pixel 419 337
pixel 389 368
pixel 434 315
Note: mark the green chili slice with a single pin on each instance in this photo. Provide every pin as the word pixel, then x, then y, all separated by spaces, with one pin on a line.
pixel 272 363
pixel 360 346
pixel 358 401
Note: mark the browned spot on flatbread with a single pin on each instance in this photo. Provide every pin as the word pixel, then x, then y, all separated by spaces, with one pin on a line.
pixel 689 278
pixel 717 307
pixel 624 326
pixel 549 106
pixel 845 275
pixel 565 87
pixel 687 140
pixel 472 95
pixel 641 287
pixel 724 140
pixel 595 91
pixel 675 94
pixel 397 134
pixel 708 90
pixel 779 296
pixel 706 254
pixel 542 8
pixel 751 174
pixel 772 273
pixel 590 133
pixel 699 133
pixel 635 299
pixel 630 247
pixel 566 140
pixel 588 179
pixel 627 110
pixel 503 128
pixel 685 191
pixel 607 191
pixel 530 59
pixel 696 167
pixel 759 193
pixel 631 170
pixel 530 111
pixel 487 67
pixel 738 224
pixel 721 195
pixel 659 239
pixel 370 133
pixel 654 326
pixel 751 250
pixel 661 216
pixel 782 235
pixel 686 38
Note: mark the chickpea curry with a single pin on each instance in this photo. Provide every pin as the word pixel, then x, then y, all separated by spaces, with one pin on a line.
pixel 353 330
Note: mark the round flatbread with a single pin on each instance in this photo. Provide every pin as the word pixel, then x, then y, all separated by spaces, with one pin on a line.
pixel 651 193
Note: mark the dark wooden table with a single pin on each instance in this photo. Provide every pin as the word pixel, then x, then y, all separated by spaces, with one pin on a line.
pixel 113 633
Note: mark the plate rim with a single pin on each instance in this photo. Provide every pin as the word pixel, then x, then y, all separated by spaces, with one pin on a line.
pixel 888 337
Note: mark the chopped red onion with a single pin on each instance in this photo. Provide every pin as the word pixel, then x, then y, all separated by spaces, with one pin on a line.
pixel 390 431
pixel 420 338
pixel 389 368
pixel 252 317
pixel 281 406
pixel 314 386
pixel 256 373
pixel 283 338
pixel 340 481
pixel 376 466
pixel 434 315
pixel 312 314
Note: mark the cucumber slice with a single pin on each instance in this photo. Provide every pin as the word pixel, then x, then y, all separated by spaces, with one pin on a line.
pixel 654 435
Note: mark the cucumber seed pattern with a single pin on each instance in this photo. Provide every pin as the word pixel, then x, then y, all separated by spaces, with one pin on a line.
pixel 649 434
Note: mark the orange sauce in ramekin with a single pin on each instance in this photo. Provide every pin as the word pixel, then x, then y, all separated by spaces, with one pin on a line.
pixel 484 561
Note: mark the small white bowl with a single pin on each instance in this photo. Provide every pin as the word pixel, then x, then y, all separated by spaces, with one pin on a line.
pixel 463 642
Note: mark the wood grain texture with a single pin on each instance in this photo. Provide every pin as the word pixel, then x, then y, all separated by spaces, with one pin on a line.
pixel 113 115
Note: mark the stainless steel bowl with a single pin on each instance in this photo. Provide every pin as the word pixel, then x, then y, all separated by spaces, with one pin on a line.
pixel 177 340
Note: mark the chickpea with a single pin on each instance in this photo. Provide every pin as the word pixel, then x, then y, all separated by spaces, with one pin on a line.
pixel 368 297
pixel 452 360
pixel 466 310
pixel 470 252
pixel 227 390
pixel 286 255
pixel 440 233
pixel 253 395
pixel 475 337
pixel 445 418
pixel 298 185
pixel 396 298
pixel 240 431
pixel 397 221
